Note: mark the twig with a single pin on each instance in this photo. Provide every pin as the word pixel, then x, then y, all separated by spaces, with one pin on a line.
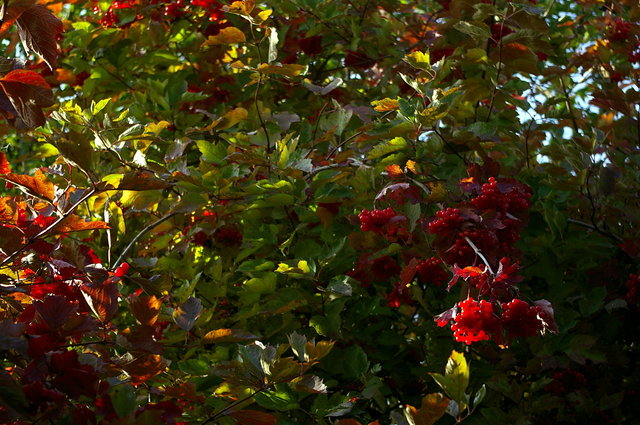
pixel 596 228
pixel 475 248
pixel 138 236
pixel 231 406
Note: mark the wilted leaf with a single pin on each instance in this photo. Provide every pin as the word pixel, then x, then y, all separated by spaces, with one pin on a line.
pixel 228 35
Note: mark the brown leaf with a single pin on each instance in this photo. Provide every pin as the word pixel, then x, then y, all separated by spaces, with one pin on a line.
pixel 228 335
pixel 102 297
pixel 185 316
pixel 145 309
pixel 229 35
pixel 145 367
pixel 39 30
pixel 27 92
pixel 37 185
pixel 253 417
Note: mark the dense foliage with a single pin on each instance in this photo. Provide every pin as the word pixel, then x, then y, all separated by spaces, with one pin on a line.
pixel 305 211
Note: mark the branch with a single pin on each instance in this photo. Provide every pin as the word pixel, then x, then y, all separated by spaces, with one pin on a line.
pixel 231 406
pixel 138 236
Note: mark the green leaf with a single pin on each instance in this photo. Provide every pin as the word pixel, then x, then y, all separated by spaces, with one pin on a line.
pixel 479 31
pixel 212 153
pixel 355 362
pixel 197 367
pixel 385 148
pixel 282 399
pixel 123 399
pixel 456 378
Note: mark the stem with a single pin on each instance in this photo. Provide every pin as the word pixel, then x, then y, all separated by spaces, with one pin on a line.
pixel 262 123
pixel 138 236
pixel 475 248
pixel 231 406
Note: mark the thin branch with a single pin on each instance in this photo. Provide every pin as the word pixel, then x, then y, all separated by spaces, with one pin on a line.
pixel 231 406
pixel 475 248
pixel 435 130
pixel 596 228
pixel 138 236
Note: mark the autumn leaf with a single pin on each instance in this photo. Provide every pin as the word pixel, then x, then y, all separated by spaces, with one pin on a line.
pixel 288 70
pixel 394 170
pixel 185 316
pixel 385 105
pixel 145 308
pixel 39 30
pixel 27 93
pixel 74 223
pixel 5 167
pixel 228 335
pixel 145 367
pixel 37 185
pixel 102 297
pixel 227 35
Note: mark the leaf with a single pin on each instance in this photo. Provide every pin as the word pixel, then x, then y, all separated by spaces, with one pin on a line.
pixel 480 32
pixel 55 310
pixel 385 105
pixel 185 316
pixel 384 148
pixel 309 384
pixel 145 367
pixel 145 308
pixel 12 395
pixel 5 167
pixel 74 223
pixel 218 336
pixel 141 180
pixel 253 417
pixel 229 119
pixel 28 93
pixel 456 377
pixel 37 185
pixel 419 60
pixel 477 399
pixel 102 298
pixel 336 82
pixel 123 399
pixel 433 408
pixel 228 35
pixel 407 274
pixel 288 70
pixel 283 399
pixel 243 7
pixel 39 30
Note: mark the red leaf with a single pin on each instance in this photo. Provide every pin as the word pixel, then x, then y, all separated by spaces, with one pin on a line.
pixel 253 417
pixel 102 298
pixel 37 185
pixel 39 30
pixel 28 93
pixel 5 167
pixel 145 367
pixel 55 310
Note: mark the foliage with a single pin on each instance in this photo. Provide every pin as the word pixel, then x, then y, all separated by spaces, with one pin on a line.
pixel 303 212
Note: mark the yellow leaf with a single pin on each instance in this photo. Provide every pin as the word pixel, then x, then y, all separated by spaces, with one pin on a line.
pixel 227 35
pixel 156 128
pixel 264 15
pixel 385 105
pixel 418 60
pixel 284 268
pixel 302 265
pixel 240 7
pixel 229 119
pixel 288 70
pixel 411 166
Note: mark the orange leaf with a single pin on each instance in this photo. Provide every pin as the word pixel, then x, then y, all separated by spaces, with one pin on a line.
pixel 145 308
pixel 74 223
pixel 24 94
pixel 411 166
pixel 394 170
pixel 228 335
pixel 37 185
pixel 433 407
pixel 145 367
pixel 5 167
pixel 253 417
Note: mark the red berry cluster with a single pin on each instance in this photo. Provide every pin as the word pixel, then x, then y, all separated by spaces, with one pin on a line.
pixel 619 31
pixel 385 222
pixel 431 271
pixel 482 320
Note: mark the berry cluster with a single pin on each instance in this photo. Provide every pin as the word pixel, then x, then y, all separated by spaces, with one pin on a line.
pixel 386 222
pixel 482 320
pixel 431 271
